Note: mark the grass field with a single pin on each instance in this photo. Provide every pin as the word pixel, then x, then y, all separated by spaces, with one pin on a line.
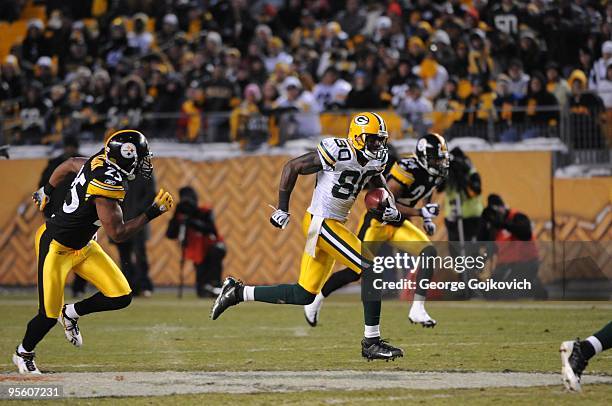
pixel 167 334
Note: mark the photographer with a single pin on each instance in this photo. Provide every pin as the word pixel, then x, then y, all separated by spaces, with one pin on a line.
pixel 201 243
pixel 462 199
pixel 514 254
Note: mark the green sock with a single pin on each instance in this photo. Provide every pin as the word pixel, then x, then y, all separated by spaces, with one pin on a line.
pixel 283 294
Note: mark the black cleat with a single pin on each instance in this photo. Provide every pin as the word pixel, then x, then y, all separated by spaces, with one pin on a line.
pixel 377 348
pixel 228 297
pixel 573 364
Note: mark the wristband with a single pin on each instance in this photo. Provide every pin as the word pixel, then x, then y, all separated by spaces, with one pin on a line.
pixel 48 189
pixel 152 212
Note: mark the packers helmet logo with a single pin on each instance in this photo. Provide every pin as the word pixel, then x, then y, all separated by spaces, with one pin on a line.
pixel 128 150
pixel 361 120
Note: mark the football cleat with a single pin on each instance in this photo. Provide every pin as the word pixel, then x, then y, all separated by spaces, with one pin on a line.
pixel 418 315
pixel 311 311
pixel 573 364
pixel 227 297
pixel 372 349
pixel 24 361
pixel 71 329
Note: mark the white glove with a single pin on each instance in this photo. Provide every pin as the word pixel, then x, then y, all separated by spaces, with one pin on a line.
pixel 40 198
pixel 429 226
pixel 280 219
pixel 391 214
pixel 430 210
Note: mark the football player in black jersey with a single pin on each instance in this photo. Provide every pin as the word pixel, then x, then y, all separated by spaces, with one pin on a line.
pixel 411 179
pixel 66 242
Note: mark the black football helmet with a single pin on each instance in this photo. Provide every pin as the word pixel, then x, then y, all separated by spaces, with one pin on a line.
pixel 432 154
pixel 128 151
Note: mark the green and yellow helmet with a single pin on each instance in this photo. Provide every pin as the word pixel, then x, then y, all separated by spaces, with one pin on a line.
pixel 368 133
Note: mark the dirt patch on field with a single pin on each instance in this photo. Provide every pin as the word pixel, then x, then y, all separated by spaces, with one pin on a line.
pixel 97 384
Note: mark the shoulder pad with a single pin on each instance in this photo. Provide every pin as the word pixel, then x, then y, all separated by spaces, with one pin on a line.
pixel 106 181
pixel 333 150
pixel 404 170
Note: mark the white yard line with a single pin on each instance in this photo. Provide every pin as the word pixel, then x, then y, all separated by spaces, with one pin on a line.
pixel 103 384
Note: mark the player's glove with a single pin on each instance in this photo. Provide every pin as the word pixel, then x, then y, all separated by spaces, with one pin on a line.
pixel 279 219
pixel 161 204
pixel 430 210
pixel 429 226
pixel 391 215
pixel 42 196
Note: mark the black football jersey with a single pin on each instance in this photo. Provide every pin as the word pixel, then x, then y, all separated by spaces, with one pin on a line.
pixel 76 220
pixel 416 182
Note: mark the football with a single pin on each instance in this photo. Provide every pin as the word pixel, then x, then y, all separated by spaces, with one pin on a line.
pixel 376 199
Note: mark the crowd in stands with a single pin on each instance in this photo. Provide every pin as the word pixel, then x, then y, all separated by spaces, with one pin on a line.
pixel 262 71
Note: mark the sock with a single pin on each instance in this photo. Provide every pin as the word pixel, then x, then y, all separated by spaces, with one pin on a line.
pixel 371 312
pixel 21 349
pixel 604 337
pixel 248 293
pixel 37 328
pixel 283 294
pixel 318 299
pixel 71 312
pixel 338 280
pixel 587 348
pixel 425 272
pixel 101 303
pixel 418 301
pixel 371 331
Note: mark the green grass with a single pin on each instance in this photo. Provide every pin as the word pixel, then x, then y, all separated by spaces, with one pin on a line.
pixel 164 333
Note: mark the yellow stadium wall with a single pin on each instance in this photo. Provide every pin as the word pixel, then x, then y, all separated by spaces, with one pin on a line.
pixel 240 190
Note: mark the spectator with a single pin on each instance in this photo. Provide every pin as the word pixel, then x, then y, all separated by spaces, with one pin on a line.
pixel 34 115
pixel 416 109
pixel 604 87
pixel 362 94
pixel 598 71
pixel 331 92
pixel 298 112
pixel 190 123
pixel 275 54
pixel 247 123
pixel 353 18
pixel 541 109
pixel 140 39
pixel 202 244
pixel 33 46
pixel 479 110
pixel 556 84
pixel 518 80
pixel 585 109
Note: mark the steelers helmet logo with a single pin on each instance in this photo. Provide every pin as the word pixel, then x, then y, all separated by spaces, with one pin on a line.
pixel 362 120
pixel 422 144
pixel 128 150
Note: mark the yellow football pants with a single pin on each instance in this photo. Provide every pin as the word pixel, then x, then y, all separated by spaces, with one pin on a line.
pixel 55 261
pixel 372 230
pixel 335 243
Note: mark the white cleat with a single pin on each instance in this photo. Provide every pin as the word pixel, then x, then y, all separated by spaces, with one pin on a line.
pixel 24 361
pixel 71 329
pixel 418 315
pixel 571 354
pixel 311 311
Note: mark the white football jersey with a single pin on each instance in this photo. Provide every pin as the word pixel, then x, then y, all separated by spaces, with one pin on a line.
pixel 341 179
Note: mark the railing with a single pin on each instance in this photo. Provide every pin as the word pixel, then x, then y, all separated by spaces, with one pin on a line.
pixel 587 134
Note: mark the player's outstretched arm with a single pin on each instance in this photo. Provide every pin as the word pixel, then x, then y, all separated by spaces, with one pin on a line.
pixel 306 164
pixel 71 166
pixel 111 216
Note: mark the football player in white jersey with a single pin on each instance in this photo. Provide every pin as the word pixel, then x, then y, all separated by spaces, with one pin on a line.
pixel 343 166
